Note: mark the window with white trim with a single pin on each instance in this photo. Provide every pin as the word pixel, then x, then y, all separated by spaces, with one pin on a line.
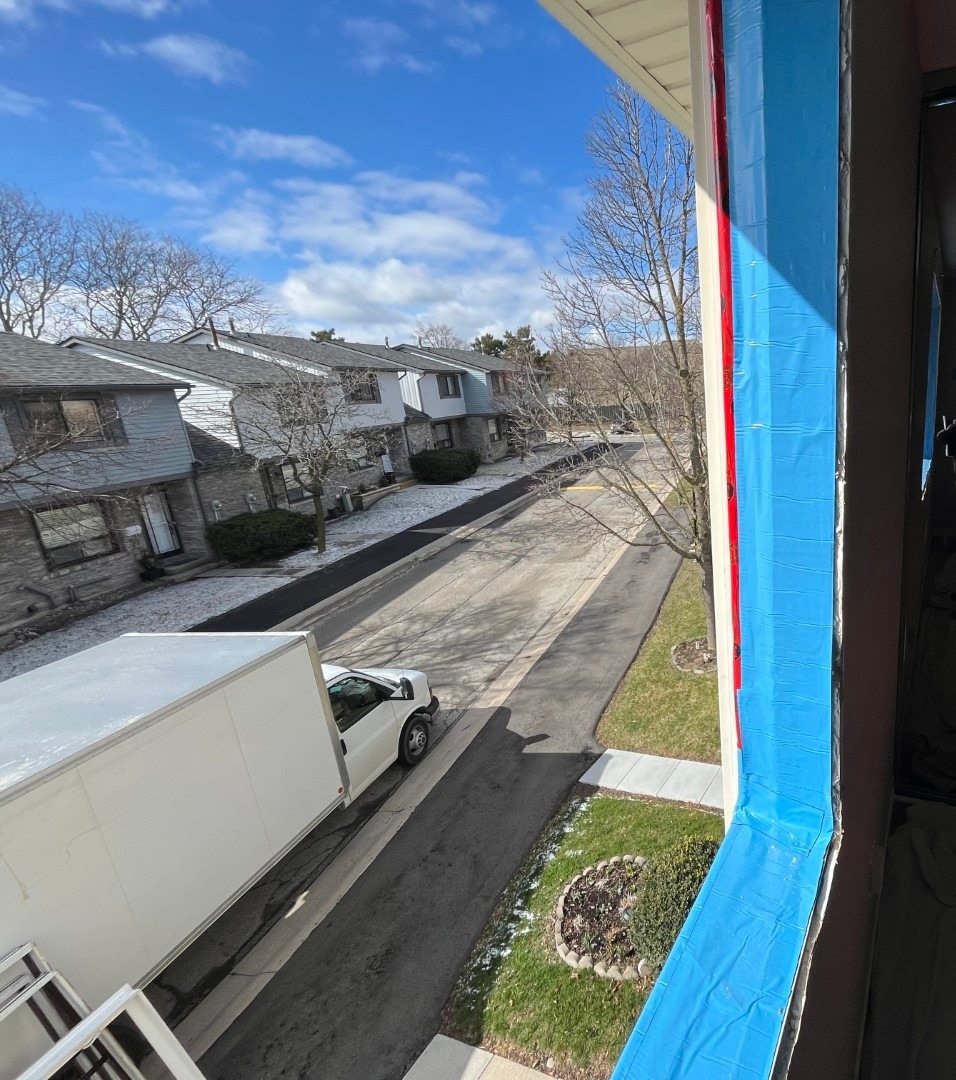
pixel 363 389
pixel 70 421
pixel 442 433
pixel 71 534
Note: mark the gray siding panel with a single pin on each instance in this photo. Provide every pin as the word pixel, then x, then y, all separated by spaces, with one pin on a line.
pixel 477 393
pixel 157 448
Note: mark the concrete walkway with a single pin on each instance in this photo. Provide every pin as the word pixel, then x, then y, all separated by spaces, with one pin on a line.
pixel 663 778
pixel 448 1059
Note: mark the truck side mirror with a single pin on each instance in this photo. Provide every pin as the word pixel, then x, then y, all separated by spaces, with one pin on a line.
pixel 408 691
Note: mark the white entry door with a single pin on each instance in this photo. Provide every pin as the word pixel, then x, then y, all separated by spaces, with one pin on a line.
pixel 160 527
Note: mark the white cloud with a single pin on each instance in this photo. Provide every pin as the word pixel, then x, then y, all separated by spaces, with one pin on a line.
pixel 389 297
pixel 131 160
pixel 253 144
pixel 193 56
pixel 380 44
pixel 245 228
pixel 15 103
pixel 24 11
pixel 463 45
pixel 530 175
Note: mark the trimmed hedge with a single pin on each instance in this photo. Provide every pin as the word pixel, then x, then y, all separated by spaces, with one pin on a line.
pixel 445 466
pixel 248 538
pixel 666 892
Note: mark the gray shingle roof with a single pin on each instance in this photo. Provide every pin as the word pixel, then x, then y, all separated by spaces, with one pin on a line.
pixel 416 415
pixel 223 366
pixel 404 360
pixel 26 364
pixel 332 354
pixel 462 356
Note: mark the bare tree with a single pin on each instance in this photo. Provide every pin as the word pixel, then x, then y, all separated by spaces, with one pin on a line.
pixel 438 336
pixel 37 255
pixel 626 342
pixel 130 284
pixel 320 425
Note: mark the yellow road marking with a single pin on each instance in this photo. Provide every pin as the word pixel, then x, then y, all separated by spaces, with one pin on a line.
pixel 584 487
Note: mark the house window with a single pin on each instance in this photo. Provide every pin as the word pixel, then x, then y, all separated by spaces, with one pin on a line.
pixel 498 382
pixel 363 390
pixel 79 421
pixel 449 386
pixel 359 457
pixel 494 429
pixel 294 491
pixel 71 534
pixel 442 436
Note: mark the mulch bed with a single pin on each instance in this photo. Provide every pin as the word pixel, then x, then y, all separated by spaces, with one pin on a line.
pixel 597 914
pixel 694 658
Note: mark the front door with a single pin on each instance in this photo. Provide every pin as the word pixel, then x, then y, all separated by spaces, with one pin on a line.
pixel 160 526
pixel 368 724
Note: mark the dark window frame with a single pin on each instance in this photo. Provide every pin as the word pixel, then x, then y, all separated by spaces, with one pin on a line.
pixel 295 485
pixel 112 430
pixel 499 382
pixel 102 505
pixel 450 380
pixel 495 436
pixel 368 393
pixel 442 444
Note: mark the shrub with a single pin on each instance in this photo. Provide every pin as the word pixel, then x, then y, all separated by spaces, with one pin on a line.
pixel 445 466
pixel 248 538
pixel 666 892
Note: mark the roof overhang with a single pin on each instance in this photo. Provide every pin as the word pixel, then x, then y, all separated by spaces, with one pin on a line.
pixel 646 42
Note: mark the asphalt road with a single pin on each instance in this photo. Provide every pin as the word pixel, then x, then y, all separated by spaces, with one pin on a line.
pixel 363 995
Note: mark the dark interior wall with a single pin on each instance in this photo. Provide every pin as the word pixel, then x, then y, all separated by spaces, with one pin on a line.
pixel 928 266
pixel 944 487
pixel 884 147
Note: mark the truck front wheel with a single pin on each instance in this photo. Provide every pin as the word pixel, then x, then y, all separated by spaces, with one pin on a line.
pixel 415 738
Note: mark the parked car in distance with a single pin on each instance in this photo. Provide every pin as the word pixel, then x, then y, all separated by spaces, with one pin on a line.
pixel 623 427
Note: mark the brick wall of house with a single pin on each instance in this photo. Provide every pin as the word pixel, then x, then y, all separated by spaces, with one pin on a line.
pixel 229 485
pixel 22 562
pixel 472 431
pixel 188 514
pixel 420 436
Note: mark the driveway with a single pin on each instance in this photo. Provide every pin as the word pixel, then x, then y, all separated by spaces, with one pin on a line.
pixel 364 993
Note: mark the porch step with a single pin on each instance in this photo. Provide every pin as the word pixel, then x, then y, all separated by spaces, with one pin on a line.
pixel 180 569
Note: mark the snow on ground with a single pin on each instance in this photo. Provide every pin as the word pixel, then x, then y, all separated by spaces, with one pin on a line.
pixel 167 609
pixel 406 508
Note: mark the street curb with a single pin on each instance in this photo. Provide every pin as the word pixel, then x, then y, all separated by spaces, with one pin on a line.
pixel 463 532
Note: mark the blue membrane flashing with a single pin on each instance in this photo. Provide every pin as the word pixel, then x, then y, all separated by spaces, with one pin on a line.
pixel 719 1006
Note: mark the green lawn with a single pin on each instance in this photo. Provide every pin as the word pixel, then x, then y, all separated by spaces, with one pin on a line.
pixel 658 709
pixel 515 994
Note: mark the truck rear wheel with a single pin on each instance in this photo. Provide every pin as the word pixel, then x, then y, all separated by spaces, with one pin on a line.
pixel 416 735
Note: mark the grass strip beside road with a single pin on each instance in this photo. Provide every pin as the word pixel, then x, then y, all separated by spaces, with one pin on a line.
pixel 658 709
pixel 515 995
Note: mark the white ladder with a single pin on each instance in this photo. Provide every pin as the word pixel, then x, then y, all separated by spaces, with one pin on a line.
pixel 79 1035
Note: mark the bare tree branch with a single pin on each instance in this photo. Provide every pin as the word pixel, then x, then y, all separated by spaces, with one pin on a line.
pixel 626 340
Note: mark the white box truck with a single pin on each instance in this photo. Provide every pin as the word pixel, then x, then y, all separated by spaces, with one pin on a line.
pixel 146 783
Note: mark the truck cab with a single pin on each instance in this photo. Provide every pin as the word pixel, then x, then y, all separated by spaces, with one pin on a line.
pixel 383 715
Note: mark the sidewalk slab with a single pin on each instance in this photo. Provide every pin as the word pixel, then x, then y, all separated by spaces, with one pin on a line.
pixel 611 768
pixel 448 1059
pixel 663 778
pixel 688 782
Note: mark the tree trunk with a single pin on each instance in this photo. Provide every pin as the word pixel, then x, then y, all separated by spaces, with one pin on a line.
pixel 707 586
pixel 319 523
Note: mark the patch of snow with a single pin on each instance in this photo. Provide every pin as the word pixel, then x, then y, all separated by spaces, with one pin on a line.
pixel 164 610
pixel 407 508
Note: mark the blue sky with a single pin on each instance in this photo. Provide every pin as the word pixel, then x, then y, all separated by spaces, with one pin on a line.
pixel 375 161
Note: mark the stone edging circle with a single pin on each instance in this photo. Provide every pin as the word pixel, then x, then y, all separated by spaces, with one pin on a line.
pixel 587 962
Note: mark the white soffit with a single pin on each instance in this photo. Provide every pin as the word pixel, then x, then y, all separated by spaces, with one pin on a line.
pixel 646 42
